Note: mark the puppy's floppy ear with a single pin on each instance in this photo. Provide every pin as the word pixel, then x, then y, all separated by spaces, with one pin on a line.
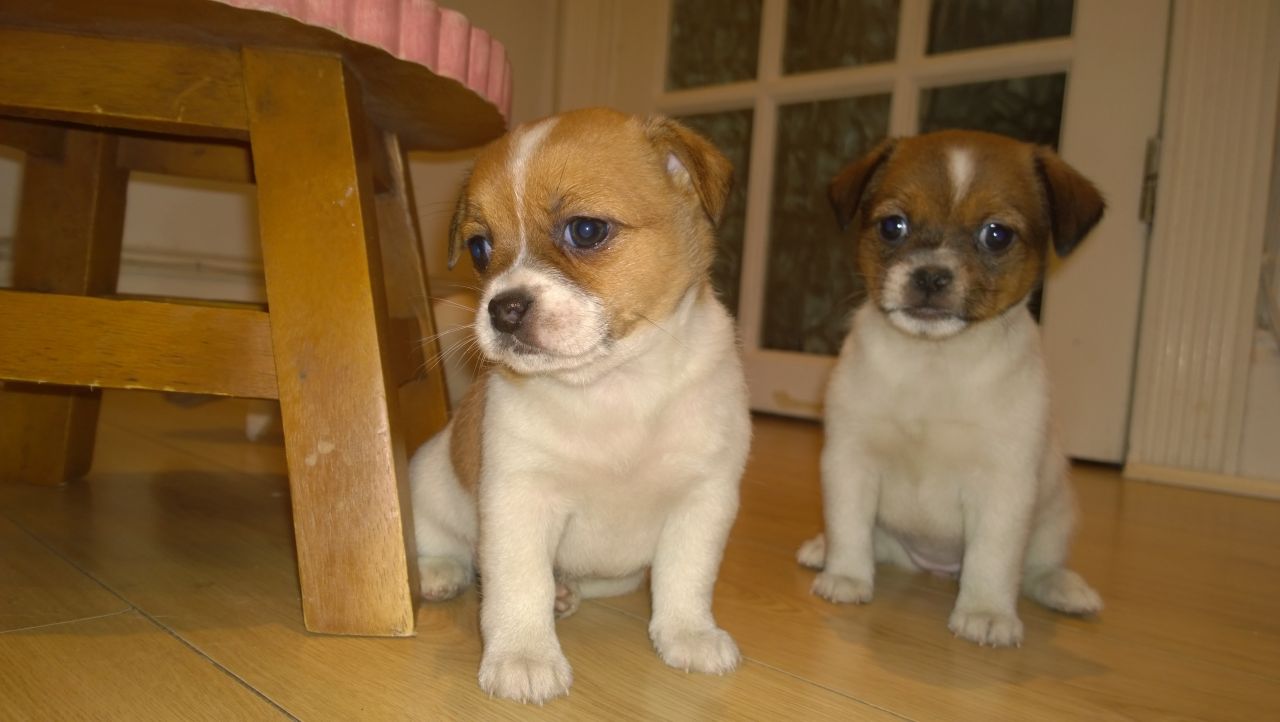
pixel 455 241
pixel 849 185
pixel 1075 205
pixel 694 161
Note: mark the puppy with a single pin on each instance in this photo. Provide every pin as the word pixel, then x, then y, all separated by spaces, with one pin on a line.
pixel 939 454
pixel 610 432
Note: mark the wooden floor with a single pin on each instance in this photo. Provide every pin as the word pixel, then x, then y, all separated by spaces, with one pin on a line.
pixel 164 587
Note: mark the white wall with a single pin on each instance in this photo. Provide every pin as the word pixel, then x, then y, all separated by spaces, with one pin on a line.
pixel 199 239
pixel 183 238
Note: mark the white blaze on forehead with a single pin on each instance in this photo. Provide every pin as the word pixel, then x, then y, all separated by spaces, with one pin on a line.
pixel 525 146
pixel 960 170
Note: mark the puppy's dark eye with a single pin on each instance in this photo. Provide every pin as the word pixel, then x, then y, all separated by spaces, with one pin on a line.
pixel 481 249
pixel 585 233
pixel 995 237
pixel 893 229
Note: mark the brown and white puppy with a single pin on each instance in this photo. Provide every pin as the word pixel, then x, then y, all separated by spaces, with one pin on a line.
pixel 610 433
pixel 939 453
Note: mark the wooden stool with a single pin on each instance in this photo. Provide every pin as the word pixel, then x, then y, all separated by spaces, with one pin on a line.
pixel 321 122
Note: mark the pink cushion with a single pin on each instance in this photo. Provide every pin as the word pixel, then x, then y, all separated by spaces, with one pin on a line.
pixel 419 31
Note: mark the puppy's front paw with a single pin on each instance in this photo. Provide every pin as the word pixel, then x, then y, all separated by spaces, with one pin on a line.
pixel 987 627
pixel 813 553
pixel 527 676
pixel 441 578
pixel 711 651
pixel 841 589
pixel 1065 591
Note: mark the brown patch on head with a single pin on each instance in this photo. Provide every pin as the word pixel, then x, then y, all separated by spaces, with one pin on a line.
pixel 948 186
pixel 659 187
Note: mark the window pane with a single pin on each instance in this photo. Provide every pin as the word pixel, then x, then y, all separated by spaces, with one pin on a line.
pixel 1026 108
pixel 712 42
pixel 811 285
pixel 964 24
pixel 823 34
pixel 731 132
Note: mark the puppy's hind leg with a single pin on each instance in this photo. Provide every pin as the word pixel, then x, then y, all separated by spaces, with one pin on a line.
pixel 593 587
pixel 444 522
pixel 813 553
pixel 1045 577
pixel 444 576
pixel 571 592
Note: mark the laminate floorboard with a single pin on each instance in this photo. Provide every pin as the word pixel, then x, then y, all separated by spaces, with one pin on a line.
pixel 164 586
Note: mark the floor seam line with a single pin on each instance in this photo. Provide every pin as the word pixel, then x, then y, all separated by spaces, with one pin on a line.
pixel 143 613
pixel 77 620
pixel 221 667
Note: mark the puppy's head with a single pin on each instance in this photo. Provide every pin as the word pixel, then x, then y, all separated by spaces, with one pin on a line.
pixel 954 227
pixel 584 227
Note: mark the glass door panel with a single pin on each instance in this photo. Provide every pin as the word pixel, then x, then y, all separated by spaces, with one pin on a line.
pixel 1028 108
pixel 966 24
pixel 712 42
pixel 825 34
pixel 811 282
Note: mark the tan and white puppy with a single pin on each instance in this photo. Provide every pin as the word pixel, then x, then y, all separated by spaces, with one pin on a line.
pixel 610 433
pixel 939 453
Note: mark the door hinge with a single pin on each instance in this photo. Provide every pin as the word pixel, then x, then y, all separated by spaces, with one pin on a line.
pixel 1150 180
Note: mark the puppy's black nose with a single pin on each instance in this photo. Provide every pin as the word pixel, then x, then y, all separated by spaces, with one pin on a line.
pixel 931 279
pixel 507 309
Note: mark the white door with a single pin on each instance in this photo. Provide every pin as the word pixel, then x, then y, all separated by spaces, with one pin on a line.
pixel 793 89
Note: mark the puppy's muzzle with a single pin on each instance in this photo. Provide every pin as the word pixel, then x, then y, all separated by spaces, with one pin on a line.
pixel 507 310
pixel 929 292
pixel 931 280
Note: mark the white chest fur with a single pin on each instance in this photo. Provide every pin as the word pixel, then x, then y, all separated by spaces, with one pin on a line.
pixel 933 420
pixel 617 454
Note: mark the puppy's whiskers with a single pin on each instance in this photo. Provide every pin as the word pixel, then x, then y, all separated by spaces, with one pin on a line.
pixel 658 326
pixel 422 342
pixel 455 304
pixel 855 299
pixel 463 347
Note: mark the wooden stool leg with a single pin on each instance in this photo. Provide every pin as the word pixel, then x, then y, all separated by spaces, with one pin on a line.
pixel 70 225
pixel 328 318
pixel 424 399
